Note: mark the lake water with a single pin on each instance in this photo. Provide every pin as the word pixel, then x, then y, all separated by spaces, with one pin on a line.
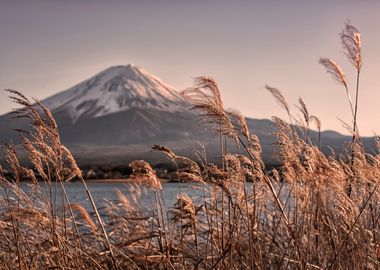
pixel 103 191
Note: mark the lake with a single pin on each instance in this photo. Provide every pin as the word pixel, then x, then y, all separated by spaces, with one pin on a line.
pixel 103 191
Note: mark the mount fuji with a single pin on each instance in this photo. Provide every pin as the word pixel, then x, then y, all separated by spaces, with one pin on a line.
pixel 115 115
pixel 114 90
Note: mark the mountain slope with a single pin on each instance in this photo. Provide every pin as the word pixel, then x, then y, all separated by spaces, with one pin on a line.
pixel 114 90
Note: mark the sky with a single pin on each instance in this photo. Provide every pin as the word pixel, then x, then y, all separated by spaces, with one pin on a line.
pixel 49 46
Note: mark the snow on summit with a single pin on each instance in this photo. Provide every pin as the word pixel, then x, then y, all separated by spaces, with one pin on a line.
pixel 116 89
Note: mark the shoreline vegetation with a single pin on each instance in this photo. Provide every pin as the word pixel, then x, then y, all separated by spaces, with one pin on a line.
pixel 315 211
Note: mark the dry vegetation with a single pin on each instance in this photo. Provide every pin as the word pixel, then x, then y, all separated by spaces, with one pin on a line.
pixel 314 212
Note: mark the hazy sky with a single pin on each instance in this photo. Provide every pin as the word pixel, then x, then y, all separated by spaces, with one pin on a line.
pixel 48 46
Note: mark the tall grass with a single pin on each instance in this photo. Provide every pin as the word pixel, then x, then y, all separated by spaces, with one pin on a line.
pixel 298 216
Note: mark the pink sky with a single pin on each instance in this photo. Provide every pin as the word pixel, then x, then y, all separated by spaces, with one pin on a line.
pixel 48 46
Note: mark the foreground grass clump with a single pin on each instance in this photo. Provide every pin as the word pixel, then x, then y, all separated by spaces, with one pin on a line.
pixel 314 212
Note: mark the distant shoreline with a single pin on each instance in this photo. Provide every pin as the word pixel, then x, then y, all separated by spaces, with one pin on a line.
pixel 127 180
pixel 107 180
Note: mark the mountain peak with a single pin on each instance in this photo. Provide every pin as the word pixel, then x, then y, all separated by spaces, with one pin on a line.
pixel 123 69
pixel 116 89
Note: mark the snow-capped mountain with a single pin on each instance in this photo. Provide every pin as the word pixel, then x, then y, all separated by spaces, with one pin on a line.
pixel 114 116
pixel 122 105
pixel 114 90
